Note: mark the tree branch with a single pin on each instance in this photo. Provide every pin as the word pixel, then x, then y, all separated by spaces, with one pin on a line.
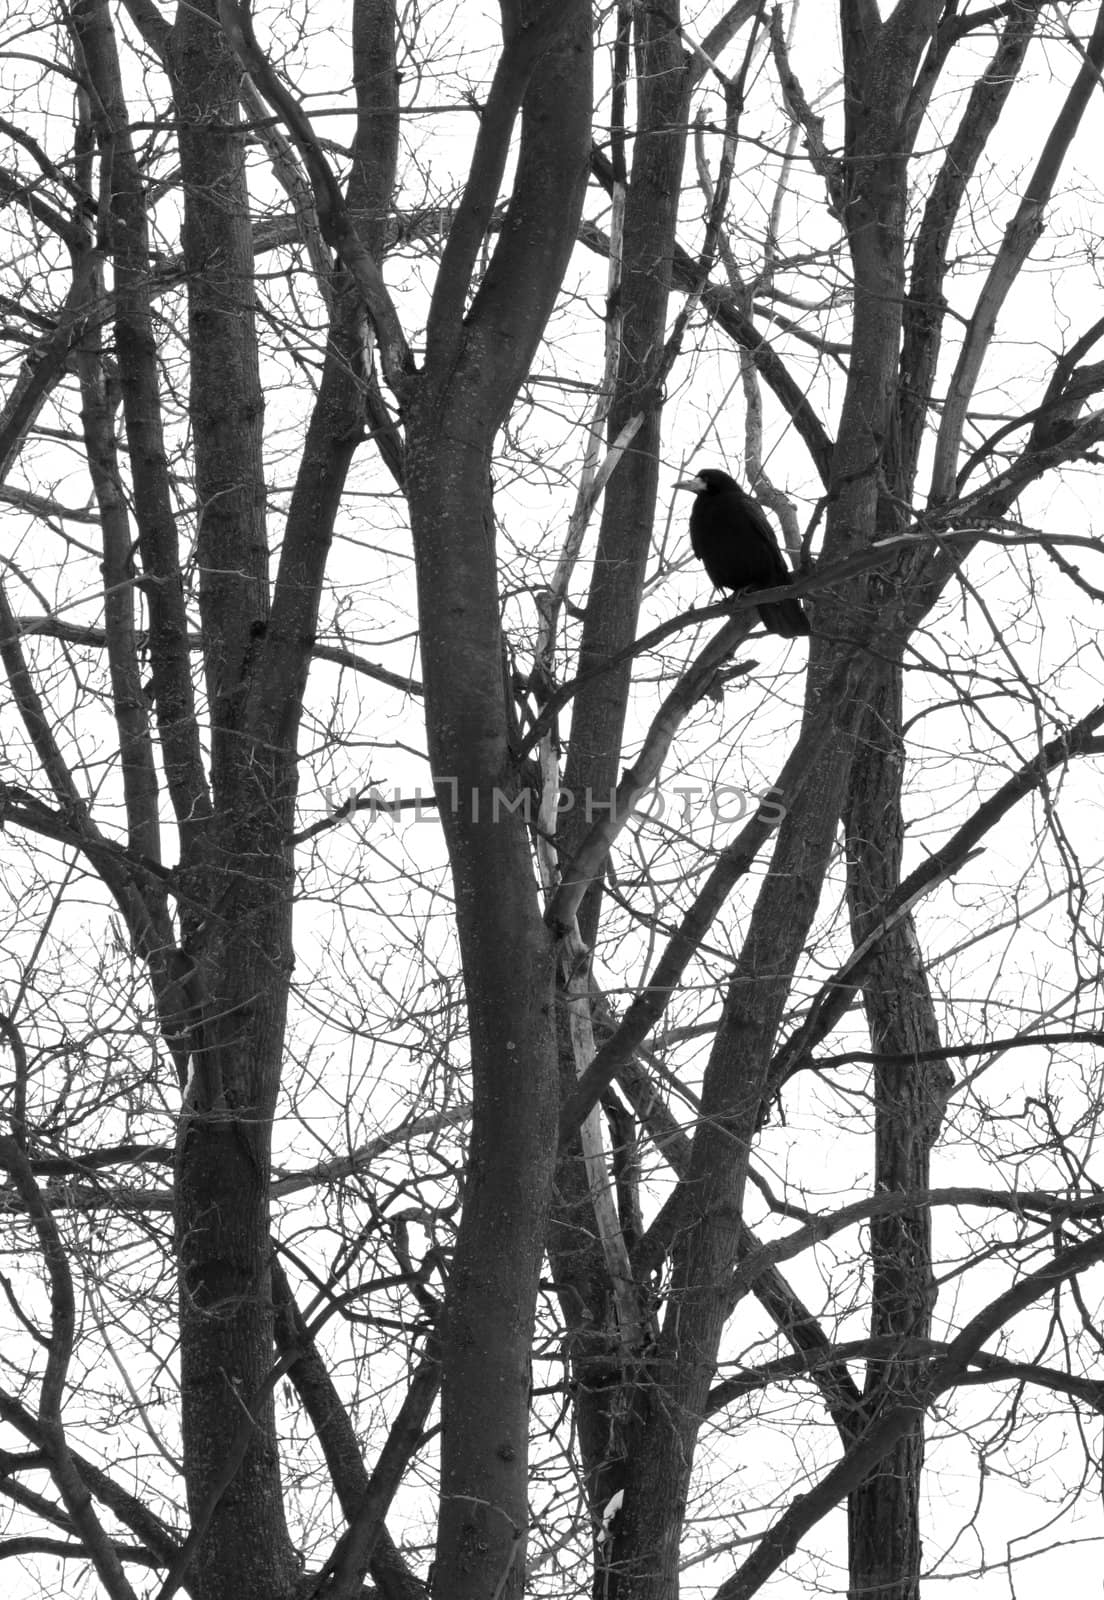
pixel 333 216
pixel 1019 240
pixel 879 1437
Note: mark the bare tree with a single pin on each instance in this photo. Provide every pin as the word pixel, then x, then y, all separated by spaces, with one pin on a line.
pixel 457 1235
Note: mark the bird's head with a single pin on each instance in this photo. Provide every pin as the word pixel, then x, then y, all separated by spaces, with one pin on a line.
pixel 709 480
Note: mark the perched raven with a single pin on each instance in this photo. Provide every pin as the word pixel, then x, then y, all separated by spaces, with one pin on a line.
pixel 736 545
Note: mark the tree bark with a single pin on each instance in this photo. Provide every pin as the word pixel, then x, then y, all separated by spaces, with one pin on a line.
pixel 241 873
pixel 663 84
pixel 474 365
pixel 909 1100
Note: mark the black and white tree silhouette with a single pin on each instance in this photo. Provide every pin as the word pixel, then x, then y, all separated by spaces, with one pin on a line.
pixel 510 1086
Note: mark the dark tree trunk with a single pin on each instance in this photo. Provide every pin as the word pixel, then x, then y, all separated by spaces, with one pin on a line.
pixel 606 1398
pixel 664 82
pixel 909 1100
pixel 240 872
pixel 475 362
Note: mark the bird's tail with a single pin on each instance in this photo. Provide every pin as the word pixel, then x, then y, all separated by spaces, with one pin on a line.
pixel 784 617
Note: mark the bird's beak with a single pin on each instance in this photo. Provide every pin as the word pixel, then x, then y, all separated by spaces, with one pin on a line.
pixel 691 483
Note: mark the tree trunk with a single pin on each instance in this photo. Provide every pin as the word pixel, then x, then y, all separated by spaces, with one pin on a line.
pixel 475 361
pixel 664 82
pixel 241 874
pixel 909 1101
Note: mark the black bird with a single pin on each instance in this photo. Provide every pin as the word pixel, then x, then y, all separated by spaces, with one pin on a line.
pixel 736 545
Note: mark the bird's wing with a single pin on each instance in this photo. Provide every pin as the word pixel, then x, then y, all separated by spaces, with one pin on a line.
pixel 697 528
pixel 759 528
